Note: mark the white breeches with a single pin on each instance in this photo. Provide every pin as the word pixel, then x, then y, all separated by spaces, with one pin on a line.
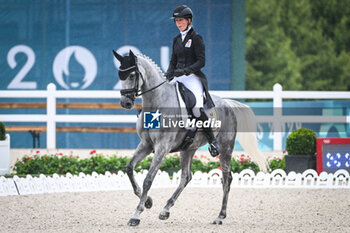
pixel 193 83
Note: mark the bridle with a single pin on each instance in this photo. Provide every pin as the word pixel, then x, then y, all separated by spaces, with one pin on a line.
pixel 134 92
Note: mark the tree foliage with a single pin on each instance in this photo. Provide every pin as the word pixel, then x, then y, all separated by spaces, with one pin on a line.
pixel 303 45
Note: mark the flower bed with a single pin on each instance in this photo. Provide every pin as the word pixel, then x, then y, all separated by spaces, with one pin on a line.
pixel 61 164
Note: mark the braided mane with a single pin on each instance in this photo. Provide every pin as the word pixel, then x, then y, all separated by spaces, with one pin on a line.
pixel 152 63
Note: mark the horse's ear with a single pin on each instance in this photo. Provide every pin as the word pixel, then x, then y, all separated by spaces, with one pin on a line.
pixel 131 55
pixel 119 57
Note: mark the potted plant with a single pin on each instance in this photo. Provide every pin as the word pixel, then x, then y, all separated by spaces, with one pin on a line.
pixel 4 151
pixel 301 148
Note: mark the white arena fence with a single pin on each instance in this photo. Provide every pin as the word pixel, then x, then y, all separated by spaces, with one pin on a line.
pixel 112 182
pixel 277 120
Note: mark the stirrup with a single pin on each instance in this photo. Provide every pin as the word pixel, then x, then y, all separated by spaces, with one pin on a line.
pixel 214 149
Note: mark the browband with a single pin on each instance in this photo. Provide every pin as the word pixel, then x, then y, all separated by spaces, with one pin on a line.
pixel 124 73
pixel 126 69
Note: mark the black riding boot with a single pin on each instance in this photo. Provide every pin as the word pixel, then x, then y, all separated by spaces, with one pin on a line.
pixel 208 132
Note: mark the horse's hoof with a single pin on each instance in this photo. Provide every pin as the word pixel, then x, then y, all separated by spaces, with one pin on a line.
pixel 149 203
pixel 217 221
pixel 133 222
pixel 164 215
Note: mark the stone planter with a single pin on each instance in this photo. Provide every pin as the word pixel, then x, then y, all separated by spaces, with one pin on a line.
pixel 300 163
pixel 5 156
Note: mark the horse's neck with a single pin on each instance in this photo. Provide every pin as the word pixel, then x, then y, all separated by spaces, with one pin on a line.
pixel 163 96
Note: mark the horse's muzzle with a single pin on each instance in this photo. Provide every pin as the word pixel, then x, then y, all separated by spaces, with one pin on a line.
pixel 127 102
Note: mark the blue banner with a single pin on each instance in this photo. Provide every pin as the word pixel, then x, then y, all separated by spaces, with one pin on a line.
pixel 70 42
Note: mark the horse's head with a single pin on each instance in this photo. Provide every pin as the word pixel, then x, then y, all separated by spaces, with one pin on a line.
pixel 131 79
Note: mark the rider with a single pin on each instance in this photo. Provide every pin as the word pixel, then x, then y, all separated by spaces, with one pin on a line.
pixel 188 57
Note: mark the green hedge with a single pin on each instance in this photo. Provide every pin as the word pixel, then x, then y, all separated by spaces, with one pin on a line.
pixel 301 142
pixel 62 164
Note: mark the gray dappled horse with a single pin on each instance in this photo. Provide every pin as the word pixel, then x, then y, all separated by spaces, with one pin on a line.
pixel 141 76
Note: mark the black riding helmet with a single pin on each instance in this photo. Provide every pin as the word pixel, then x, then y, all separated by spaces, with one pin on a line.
pixel 182 11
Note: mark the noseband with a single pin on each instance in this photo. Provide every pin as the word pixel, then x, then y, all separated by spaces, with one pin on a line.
pixel 134 92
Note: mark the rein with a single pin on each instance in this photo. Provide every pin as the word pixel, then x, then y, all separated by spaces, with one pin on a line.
pixel 139 94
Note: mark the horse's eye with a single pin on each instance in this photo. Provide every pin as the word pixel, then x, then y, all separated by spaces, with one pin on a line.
pixel 132 75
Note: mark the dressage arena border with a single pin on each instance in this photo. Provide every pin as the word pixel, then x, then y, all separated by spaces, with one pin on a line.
pixel 110 182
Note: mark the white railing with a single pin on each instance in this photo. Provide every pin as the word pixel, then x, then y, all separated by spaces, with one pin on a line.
pixel 108 182
pixel 277 95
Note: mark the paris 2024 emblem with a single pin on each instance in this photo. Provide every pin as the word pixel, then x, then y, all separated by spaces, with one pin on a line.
pixel 84 58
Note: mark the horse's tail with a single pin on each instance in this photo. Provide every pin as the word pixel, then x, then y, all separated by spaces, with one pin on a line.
pixel 246 133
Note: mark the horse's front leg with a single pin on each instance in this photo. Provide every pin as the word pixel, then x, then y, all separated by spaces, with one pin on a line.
pixel 158 158
pixel 142 150
pixel 186 176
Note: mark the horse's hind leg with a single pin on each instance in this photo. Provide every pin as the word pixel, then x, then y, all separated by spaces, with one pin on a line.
pixel 142 150
pixel 225 163
pixel 186 176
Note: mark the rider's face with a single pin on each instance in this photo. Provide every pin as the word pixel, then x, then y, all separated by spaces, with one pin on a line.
pixel 182 23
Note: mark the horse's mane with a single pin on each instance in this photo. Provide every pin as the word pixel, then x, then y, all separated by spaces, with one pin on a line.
pixel 147 58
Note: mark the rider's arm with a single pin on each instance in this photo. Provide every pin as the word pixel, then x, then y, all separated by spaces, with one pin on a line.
pixel 199 50
pixel 173 62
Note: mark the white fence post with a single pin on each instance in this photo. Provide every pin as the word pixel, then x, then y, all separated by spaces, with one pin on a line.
pixel 277 117
pixel 51 117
